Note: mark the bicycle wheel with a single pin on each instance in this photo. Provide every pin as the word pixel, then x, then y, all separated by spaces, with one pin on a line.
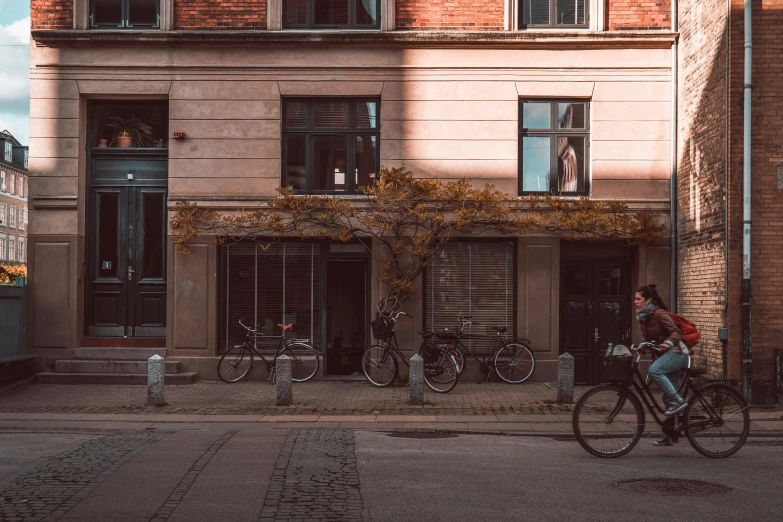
pixel 379 365
pixel 608 421
pixel 514 363
pixel 305 361
pixel 456 352
pixel 235 364
pixel 717 421
pixel 440 370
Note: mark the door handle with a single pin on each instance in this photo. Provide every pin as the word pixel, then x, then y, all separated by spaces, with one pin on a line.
pixel 597 337
pixel 131 271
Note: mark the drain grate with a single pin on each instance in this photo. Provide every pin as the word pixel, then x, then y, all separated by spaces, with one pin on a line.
pixel 672 487
pixel 422 435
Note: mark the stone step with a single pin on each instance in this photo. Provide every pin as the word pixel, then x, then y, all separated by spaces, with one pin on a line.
pixel 109 378
pixel 119 354
pixel 95 366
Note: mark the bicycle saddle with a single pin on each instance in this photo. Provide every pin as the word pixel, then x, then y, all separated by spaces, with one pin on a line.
pixel 695 372
pixel 285 326
pixel 426 335
pixel 500 329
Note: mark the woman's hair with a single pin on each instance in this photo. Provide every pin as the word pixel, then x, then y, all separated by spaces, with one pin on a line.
pixel 649 292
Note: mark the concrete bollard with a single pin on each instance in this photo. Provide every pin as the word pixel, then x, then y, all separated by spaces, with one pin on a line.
pixel 565 379
pixel 285 392
pixel 416 386
pixel 155 377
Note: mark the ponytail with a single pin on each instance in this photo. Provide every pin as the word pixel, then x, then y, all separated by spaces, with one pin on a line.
pixel 649 292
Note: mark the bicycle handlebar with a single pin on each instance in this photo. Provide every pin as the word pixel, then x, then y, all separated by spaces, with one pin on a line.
pixel 647 346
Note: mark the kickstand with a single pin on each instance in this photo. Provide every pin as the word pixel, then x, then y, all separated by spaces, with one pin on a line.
pixel 272 375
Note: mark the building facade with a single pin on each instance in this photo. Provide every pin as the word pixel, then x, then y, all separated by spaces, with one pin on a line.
pixel 13 200
pixel 233 99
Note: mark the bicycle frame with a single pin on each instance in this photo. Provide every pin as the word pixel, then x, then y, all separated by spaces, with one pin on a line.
pixel 497 344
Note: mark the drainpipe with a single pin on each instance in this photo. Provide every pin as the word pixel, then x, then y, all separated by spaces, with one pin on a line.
pixel 673 175
pixel 747 347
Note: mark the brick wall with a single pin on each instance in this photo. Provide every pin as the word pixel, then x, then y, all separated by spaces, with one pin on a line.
pixel 51 14
pixel 220 14
pixel 450 14
pixel 638 14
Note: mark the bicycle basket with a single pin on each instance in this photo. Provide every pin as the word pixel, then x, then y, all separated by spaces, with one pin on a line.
pixel 619 365
pixel 382 329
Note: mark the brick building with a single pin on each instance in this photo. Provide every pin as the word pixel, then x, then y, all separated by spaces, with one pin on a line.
pixel 710 184
pixel 13 199
pixel 317 95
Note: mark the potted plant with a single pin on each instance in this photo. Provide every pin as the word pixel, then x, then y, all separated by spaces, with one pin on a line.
pixel 103 142
pixel 132 132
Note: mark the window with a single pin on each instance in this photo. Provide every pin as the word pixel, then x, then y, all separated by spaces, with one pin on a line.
pixel 315 14
pixel 20 250
pixel 553 13
pixel 21 219
pixel 2 214
pixel 8 151
pixel 553 146
pixel 12 217
pixel 475 278
pixel 26 155
pixel 2 246
pixel 11 248
pixel 127 14
pixel 325 140
pixel 3 186
pixel 12 184
pixel 20 187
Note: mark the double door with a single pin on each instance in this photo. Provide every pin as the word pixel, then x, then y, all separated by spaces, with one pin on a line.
pixel 596 311
pixel 126 261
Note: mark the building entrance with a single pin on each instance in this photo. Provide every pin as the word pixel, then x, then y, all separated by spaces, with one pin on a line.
pixel 346 314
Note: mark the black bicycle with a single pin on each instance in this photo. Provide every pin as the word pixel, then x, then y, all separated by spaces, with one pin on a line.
pixel 608 420
pixel 512 359
pixel 380 366
pixel 236 362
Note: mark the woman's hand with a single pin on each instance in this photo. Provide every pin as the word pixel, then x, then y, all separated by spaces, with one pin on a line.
pixel 664 347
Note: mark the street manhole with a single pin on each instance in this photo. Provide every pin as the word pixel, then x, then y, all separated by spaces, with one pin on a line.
pixel 422 435
pixel 672 487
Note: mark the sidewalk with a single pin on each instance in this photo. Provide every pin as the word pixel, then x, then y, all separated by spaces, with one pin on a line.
pixel 490 407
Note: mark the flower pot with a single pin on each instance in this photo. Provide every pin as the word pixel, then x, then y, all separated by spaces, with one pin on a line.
pixel 123 142
pixel 103 143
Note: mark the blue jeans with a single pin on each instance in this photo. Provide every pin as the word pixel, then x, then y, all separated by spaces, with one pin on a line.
pixel 665 371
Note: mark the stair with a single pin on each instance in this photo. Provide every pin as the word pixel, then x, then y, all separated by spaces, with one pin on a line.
pixel 112 366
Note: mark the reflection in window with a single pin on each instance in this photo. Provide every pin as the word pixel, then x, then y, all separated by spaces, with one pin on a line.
pixel 130 14
pixel 609 282
pixel 330 159
pixel 553 13
pixel 535 164
pixel 314 14
pixel 575 280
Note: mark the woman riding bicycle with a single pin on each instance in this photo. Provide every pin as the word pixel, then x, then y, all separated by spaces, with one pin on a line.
pixel 657 326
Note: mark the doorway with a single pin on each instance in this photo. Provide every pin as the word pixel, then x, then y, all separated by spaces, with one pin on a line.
pixel 595 311
pixel 346 314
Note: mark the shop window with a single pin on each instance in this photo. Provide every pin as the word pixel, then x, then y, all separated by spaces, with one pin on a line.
pixel 125 14
pixel 328 14
pixel 330 145
pixel 473 278
pixel 553 146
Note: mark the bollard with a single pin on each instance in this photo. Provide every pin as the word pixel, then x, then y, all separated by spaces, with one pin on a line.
pixel 416 385
pixel 565 379
pixel 155 376
pixel 285 392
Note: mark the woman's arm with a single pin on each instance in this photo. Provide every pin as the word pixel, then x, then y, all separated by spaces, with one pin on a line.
pixel 666 322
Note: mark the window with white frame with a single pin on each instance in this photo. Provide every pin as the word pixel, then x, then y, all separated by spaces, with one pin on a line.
pixel 11 248
pixel 125 14
pixel 26 156
pixel 20 250
pixel 12 217
pixel 553 13
pixel 2 214
pixel 2 246
pixel 3 186
pixel 12 184
pixel 331 14
pixel 20 219
pixel 9 148
pixel 20 187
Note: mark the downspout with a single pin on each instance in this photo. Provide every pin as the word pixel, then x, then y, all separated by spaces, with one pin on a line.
pixel 726 164
pixel 747 347
pixel 673 200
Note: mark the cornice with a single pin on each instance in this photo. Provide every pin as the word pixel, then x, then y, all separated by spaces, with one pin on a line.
pixel 439 39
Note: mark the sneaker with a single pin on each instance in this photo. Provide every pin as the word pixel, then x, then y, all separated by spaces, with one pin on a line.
pixel 665 441
pixel 674 409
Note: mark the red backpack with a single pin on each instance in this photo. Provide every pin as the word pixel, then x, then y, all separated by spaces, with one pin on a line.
pixel 690 335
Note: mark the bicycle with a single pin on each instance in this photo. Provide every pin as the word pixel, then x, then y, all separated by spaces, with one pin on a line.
pixel 379 362
pixel 236 362
pixel 609 421
pixel 512 360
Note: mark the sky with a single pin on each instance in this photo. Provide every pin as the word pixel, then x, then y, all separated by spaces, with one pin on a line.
pixel 15 68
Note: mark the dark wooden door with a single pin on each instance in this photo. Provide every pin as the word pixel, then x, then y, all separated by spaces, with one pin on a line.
pixel 595 311
pixel 126 262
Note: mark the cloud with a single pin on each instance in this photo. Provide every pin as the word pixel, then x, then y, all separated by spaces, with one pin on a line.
pixel 16 33
pixel 15 67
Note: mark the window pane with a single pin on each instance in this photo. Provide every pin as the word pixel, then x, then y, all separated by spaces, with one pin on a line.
pixel 571 116
pixel 143 12
pixel 295 115
pixel 20 251
pixel 154 235
pixel 576 280
pixel 536 115
pixel 366 12
pixel 610 282
pixel 535 164
pixel 295 161
pixel 571 163
pixel 367 115
pixel 2 248
pixel 107 12
pixel 571 11
pixel 331 12
pixel 107 234
pixel 295 12
pixel 535 12
pixel 330 154
pixel 11 248
pixel 330 115
pixel 366 154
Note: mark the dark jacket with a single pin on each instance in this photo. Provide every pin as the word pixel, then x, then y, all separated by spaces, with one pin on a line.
pixel 662 330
